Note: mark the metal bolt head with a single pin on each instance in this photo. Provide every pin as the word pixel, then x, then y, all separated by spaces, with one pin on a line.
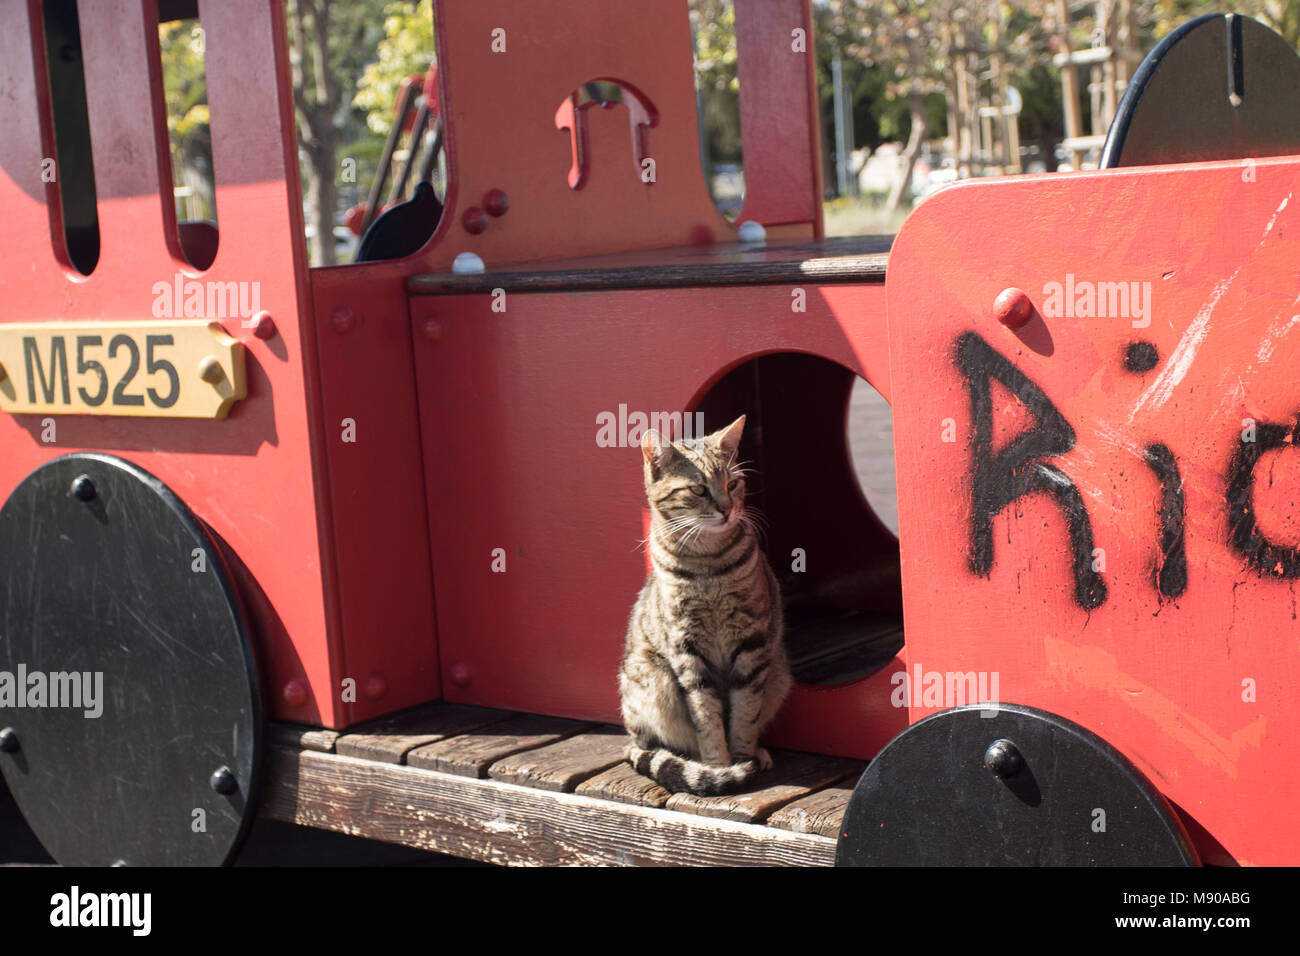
pixel 1002 759
pixel 83 489
pixel 496 202
pixel 474 220
pixel 223 780
pixel 210 370
pixel 460 675
pixel 343 320
pixel 1012 308
pixel 432 329
pixel 295 693
pixel 263 325
pixel 376 686
pixel 9 741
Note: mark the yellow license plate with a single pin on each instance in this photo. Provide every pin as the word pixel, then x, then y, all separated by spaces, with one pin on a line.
pixel 164 369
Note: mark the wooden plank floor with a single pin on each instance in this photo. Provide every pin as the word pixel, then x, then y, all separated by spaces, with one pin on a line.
pixel 525 789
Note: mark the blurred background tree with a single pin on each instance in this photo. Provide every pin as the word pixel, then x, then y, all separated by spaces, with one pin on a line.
pixel 406 47
pixel 348 58
pixel 185 92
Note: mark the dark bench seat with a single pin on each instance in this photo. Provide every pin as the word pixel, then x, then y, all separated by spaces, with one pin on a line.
pixel 843 259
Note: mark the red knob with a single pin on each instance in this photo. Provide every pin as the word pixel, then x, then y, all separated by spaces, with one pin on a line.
pixel 263 325
pixel 376 686
pixel 1012 308
pixel 474 220
pixel 496 202
pixel 295 693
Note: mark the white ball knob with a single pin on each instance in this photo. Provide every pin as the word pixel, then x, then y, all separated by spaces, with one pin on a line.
pixel 467 263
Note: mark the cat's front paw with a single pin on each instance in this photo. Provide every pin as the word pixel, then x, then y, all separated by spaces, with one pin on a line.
pixel 760 758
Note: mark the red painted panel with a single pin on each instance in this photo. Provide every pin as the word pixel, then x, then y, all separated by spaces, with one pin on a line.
pixel 508 413
pixel 128 133
pixel 251 476
pixel 376 482
pixel 776 70
pixel 501 132
pixel 1191 674
pixel 26 141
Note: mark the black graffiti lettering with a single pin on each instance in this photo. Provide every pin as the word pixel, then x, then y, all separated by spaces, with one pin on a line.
pixel 1019 469
pixel 1264 556
pixel 1171 573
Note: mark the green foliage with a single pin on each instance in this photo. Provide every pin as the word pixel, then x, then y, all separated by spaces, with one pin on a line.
pixel 713 24
pixel 185 92
pixel 407 47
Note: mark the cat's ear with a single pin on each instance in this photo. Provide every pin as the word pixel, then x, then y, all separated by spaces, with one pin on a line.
pixel 729 437
pixel 656 449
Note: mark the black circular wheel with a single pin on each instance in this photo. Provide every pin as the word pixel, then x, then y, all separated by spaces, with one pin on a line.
pixel 1002 786
pixel 128 692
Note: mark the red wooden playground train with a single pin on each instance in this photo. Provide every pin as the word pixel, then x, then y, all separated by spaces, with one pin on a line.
pixel 398 482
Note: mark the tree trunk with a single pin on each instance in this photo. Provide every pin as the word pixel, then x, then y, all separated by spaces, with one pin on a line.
pixel 910 154
pixel 316 133
pixel 320 205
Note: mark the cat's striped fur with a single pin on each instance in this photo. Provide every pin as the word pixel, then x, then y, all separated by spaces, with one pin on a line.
pixel 704 669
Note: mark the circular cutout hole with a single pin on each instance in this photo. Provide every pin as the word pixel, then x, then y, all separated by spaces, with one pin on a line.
pixel 836 559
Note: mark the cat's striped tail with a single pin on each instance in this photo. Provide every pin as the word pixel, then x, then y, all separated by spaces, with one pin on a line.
pixel 679 774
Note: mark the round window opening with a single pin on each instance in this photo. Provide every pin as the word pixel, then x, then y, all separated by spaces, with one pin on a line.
pixel 819 441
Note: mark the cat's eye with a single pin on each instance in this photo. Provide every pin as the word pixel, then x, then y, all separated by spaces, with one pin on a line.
pixel 698 490
pixel 731 485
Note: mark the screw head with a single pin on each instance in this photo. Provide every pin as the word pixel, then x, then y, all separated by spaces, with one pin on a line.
pixel 496 202
pixel 295 693
pixel 460 675
pixel 210 370
pixel 1002 759
pixel 9 741
pixel 474 220
pixel 223 780
pixel 83 489
pixel 432 329
pixel 263 325
pixel 343 320
pixel 1013 308
pixel 376 686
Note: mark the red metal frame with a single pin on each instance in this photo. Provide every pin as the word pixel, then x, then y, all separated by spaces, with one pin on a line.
pixel 490 416
pixel 1195 687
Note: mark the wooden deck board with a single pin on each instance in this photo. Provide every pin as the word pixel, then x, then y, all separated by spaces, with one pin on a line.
pixel 564 765
pixel 819 813
pixel 503 823
pixel 471 754
pixel 624 785
pixel 390 738
pixel 483 783
pixel 302 738
pixel 794 775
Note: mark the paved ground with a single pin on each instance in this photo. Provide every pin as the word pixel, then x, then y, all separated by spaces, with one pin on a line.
pixel 871 440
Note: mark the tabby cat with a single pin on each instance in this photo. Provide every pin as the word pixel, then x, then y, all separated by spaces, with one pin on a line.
pixel 704 669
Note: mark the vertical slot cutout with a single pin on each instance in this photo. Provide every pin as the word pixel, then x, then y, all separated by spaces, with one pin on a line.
pixel 182 48
pixel 73 169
